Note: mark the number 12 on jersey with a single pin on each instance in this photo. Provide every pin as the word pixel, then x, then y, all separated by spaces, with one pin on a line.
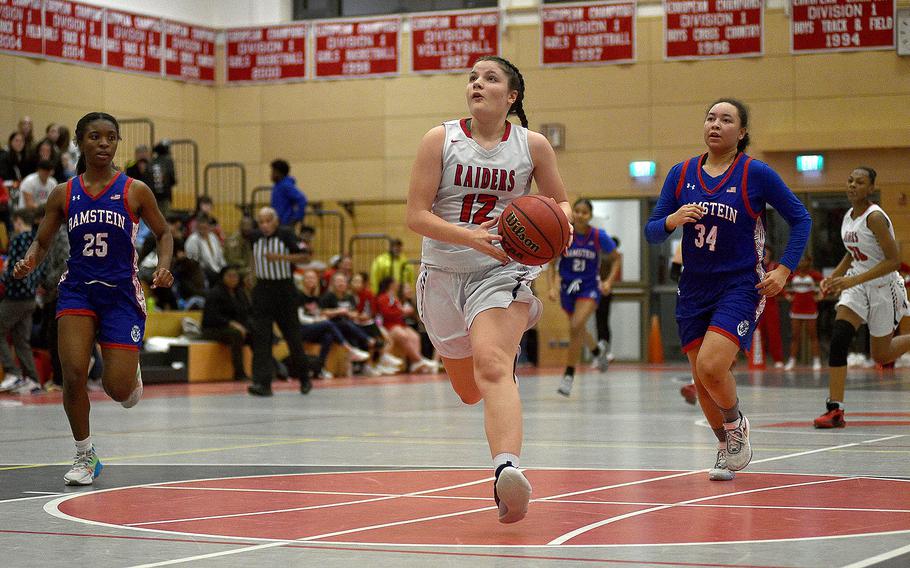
pixel 486 201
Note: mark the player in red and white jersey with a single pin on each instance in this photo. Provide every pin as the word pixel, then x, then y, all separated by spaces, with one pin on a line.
pixel 803 293
pixel 871 291
pixel 475 303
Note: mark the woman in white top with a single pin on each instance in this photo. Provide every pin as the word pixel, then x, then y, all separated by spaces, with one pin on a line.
pixel 871 291
pixel 474 301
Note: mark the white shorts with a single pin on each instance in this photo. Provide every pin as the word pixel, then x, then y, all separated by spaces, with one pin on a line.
pixel 882 303
pixel 448 302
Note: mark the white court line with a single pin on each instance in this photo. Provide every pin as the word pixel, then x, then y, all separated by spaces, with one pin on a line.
pixel 880 558
pixel 565 537
pixel 311 507
pixel 581 530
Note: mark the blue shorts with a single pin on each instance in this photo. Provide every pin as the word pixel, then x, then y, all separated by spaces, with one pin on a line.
pixel 118 316
pixel 574 290
pixel 726 304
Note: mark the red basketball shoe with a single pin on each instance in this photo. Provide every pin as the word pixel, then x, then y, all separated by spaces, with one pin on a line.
pixel 834 418
pixel 690 393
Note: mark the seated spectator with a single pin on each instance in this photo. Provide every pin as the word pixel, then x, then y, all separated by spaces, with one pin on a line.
pixel 392 313
pixel 226 317
pixel 36 187
pixel 204 247
pixel 238 251
pixel 316 329
pixel 47 152
pixel 343 264
pixel 205 206
pixel 164 175
pixel 12 169
pixel 60 136
pixel 309 263
pixel 340 306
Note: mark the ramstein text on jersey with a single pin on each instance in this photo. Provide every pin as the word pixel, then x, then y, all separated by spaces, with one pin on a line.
pixel 96 216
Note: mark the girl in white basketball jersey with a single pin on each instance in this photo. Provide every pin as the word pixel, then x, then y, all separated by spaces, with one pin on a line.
pixel 871 291
pixel 474 301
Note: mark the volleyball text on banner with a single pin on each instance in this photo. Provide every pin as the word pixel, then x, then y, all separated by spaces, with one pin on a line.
pixel 20 26
pixel 453 41
pixel 74 32
pixel 841 25
pixel 595 33
pixel 133 42
pixel 360 48
pixel 274 53
pixel 189 52
pixel 708 29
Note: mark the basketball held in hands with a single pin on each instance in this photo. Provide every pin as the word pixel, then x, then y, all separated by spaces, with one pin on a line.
pixel 534 230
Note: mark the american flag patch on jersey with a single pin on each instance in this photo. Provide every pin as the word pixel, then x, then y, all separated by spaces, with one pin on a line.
pixel 115 197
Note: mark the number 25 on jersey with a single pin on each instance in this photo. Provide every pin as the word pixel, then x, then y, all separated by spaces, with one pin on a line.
pixel 95 245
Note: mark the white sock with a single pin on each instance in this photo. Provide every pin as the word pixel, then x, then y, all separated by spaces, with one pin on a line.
pixel 501 459
pixel 83 446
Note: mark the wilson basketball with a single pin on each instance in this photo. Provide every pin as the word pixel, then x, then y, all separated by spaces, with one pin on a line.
pixel 534 230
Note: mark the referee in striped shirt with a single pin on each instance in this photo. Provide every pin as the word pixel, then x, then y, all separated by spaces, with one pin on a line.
pixel 275 249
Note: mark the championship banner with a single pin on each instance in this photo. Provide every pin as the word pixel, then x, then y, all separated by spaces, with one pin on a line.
pixel 74 32
pixel 710 29
pixel 267 54
pixel 840 25
pixel 20 27
pixel 189 52
pixel 584 34
pixel 361 48
pixel 446 42
pixel 133 42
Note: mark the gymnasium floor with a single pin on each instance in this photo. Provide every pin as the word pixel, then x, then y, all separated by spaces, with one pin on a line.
pixel 395 472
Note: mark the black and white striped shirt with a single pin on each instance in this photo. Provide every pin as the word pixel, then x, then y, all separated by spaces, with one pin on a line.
pixel 283 241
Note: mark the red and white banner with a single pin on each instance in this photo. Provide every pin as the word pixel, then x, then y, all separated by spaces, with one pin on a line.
pixel 453 41
pixel 74 32
pixel 361 48
pixel 20 26
pixel 276 53
pixel 599 33
pixel 707 29
pixel 841 25
pixel 133 42
pixel 189 52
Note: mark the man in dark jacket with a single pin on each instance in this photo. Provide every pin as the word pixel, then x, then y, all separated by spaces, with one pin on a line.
pixel 287 200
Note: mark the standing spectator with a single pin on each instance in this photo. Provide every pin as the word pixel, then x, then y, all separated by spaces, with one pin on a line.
pixel 140 167
pixel 27 129
pixel 610 274
pixel 16 310
pixel 288 201
pixel 275 301
pixel 803 292
pixel 391 264
pixel 12 166
pixel 36 187
pixel 164 176
pixel 769 324
pixel 226 317
pixel 204 247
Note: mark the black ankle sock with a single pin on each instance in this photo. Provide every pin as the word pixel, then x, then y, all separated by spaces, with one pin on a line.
pixel 720 433
pixel 596 351
pixel 570 371
pixel 731 414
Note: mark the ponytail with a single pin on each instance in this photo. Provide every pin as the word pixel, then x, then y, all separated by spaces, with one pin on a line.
pixel 80 165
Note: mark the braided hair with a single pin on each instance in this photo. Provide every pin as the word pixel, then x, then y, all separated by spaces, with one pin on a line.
pixel 516 83
pixel 82 126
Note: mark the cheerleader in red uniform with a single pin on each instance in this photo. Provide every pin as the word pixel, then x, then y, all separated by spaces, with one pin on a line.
pixel 803 293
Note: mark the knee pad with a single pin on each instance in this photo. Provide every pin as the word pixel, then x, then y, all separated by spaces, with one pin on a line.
pixel 841 338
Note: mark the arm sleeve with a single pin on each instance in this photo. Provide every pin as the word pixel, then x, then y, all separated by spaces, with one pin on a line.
pixel 607 244
pixel 655 229
pixel 775 192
